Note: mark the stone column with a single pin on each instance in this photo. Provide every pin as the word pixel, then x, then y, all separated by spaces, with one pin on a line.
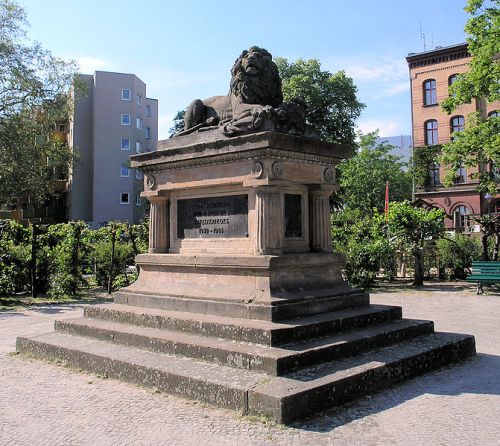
pixel 269 219
pixel 320 224
pixel 159 224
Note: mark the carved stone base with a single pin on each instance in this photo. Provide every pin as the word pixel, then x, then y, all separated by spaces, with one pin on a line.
pixel 256 287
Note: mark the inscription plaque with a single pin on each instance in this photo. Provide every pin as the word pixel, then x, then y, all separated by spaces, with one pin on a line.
pixel 213 217
pixel 293 215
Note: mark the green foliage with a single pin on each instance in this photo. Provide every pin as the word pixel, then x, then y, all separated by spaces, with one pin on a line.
pixel 68 252
pixel 413 228
pixel 479 144
pixel 483 38
pixel 365 243
pixel 33 97
pixel 423 158
pixel 456 255
pixel 362 178
pixel 64 252
pixel 14 258
pixel 123 257
pixel 178 123
pixel 331 100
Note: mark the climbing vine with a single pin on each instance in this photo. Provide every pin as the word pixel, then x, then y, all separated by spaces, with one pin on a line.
pixel 423 158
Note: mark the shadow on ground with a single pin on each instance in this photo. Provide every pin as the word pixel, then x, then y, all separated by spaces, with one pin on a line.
pixel 478 375
pixel 51 307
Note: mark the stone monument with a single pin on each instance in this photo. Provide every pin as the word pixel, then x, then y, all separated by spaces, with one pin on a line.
pixel 240 301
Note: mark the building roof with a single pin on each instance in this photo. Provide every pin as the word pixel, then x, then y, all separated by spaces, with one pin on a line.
pixel 438 55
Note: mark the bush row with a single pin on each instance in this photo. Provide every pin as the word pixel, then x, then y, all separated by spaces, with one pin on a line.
pixel 62 259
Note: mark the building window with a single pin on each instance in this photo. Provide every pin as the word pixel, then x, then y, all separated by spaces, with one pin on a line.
pixel 493 114
pixel 138 201
pixel 138 123
pixel 126 94
pixel 148 110
pixel 62 128
pixel 457 124
pixel 431 132
pixel 461 175
pixel 430 96
pixel 124 172
pixel 452 79
pixel 460 219
pixel 138 99
pixel 147 131
pixel 124 198
pixel 434 175
pixel 138 147
pixel 139 175
pixel 125 144
pixel 125 119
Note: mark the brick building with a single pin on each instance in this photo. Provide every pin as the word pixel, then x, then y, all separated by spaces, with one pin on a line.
pixel 431 73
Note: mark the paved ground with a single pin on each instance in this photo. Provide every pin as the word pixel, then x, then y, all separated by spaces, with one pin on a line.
pixel 43 404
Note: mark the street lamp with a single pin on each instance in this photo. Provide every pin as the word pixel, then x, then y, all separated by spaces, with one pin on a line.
pixel 488 197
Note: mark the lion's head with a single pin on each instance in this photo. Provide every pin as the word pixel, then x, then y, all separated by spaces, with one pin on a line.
pixel 255 78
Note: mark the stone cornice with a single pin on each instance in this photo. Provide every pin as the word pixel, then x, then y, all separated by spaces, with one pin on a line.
pixel 438 55
pixel 247 147
pixel 228 158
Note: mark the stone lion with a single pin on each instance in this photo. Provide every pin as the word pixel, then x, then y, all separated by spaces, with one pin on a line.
pixel 254 96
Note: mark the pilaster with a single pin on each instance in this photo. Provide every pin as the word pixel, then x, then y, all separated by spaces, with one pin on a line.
pixel 159 241
pixel 320 223
pixel 270 220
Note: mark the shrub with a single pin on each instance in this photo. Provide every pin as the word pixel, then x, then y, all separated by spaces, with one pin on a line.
pixel 123 257
pixel 456 255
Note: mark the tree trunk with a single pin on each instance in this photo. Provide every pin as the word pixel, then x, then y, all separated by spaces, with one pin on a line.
pixel 74 259
pixel 484 245
pixel 497 246
pixel 33 261
pixel 419 268
pixel 111 265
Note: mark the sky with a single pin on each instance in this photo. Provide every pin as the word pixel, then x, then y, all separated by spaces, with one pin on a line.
pixel 184 50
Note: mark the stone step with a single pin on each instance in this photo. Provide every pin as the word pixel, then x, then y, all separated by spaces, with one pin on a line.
pixel 334 383
pixel 281 310
pixel 272 360
pixel 225 387
pixel 248 330
pixel 282 399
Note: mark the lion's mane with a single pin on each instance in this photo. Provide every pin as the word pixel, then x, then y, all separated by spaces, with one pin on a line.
pixel 264 89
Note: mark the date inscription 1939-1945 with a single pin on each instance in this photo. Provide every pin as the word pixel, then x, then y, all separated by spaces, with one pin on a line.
pixel 213 217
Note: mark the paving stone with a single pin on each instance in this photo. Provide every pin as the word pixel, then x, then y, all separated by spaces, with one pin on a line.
pixel 43 404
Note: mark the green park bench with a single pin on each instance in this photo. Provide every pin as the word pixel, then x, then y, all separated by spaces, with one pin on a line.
pixel 484 272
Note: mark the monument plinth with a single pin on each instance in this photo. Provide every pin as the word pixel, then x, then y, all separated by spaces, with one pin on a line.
pixel 240 301
pixel 243 223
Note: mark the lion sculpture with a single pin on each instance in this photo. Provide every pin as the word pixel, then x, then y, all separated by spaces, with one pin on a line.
pixel 254 102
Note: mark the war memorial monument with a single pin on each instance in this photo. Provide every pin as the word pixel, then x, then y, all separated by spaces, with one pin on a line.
pixel 240 302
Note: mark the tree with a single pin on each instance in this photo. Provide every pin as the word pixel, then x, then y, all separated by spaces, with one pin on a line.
pixel 414 227
pixel 178 123
pixel 331 101
pixel 34 88
pixel 480 142
pixel 362 178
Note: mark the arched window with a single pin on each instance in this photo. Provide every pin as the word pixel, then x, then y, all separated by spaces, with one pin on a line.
pixel 452 79
pixel 430 96
pixel 460 217
pixel 493 114
pixel 431 132
pixel 457 124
